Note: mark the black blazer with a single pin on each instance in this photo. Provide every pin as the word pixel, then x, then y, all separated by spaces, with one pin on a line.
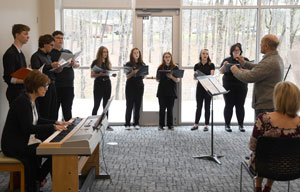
pixel 12 61
pixel 18 126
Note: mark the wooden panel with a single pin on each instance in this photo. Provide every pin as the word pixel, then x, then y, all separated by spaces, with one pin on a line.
pixel 65 173
pixel 93 161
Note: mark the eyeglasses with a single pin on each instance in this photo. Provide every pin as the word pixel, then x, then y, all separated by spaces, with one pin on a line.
pixel 59 38
pixel 46 86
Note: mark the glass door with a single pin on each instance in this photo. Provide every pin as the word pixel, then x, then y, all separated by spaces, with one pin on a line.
pixel 155 34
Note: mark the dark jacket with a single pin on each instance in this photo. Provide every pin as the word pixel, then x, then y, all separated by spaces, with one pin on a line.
pixel 12 61
pixel 18 126
pixel 38 59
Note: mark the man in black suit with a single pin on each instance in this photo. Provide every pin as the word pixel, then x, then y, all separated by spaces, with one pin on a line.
pixel 13 60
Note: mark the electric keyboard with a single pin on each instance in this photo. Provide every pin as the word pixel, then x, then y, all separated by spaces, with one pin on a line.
pixel 81 138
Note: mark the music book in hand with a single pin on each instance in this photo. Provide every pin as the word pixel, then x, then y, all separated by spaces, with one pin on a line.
pixel 178 73
pixel 229 65
pixel 98 69
pixel 143 71
pixel 21 73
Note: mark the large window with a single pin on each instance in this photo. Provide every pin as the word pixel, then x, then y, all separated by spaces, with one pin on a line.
pixel 215 30
pixel 87 30
pixel 211 24
pixel 214 2
pixel 205 25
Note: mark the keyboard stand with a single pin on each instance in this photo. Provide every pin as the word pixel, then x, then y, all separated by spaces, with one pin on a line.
pixel 65 170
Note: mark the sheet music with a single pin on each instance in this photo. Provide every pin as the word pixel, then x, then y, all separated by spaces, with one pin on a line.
pixel 208 86
pixel 218 85
pixel 212 86
pixel 76 55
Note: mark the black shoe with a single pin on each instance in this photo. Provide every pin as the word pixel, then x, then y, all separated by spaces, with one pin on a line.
pixel 171 128
pixel 241 128
pixel 161 128
pixel 227 128
pixel 205 129
pixel 109 128
pixel 194 128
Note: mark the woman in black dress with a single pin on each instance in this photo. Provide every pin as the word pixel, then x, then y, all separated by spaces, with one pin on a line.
pixel 167 90
pixel 206 67
pixel 24 127
pixel 237 89
pixel 134 90
pixel 102 83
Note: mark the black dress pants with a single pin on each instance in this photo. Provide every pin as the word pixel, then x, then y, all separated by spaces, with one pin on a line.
pixel 12 93
pixel 166 103
pixel 48 104
pixel 202 95
pixel 102 89
pixel 65 97
pixel 134 98
pixel 235 98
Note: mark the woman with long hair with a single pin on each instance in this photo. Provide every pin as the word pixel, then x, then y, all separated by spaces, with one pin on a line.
pixel 134 90
pixel 167 91
pixel 102 83
pixel 206 67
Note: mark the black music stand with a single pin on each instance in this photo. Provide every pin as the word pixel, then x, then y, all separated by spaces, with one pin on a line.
pixel 213 88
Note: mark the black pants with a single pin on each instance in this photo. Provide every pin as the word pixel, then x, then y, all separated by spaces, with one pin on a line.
pixel 65 97
pixel 200 96
pixel 48 104
pixel 134 97
pixel 12 93
pixel 34 170
pixel 235 98
pixel 166 103
pixel 102 89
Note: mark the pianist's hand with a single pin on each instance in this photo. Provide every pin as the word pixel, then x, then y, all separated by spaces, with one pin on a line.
pixel 60 127
pixel 63 123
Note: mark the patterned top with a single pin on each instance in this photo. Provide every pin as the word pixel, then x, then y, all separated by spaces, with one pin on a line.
pixel 263 127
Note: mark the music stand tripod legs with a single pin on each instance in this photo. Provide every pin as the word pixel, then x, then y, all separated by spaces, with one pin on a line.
pixel 212 156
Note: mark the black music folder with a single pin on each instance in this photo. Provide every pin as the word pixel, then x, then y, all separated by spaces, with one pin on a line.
pixel 98 69
pixel 178 73
pixel 143 70
pixel 227 66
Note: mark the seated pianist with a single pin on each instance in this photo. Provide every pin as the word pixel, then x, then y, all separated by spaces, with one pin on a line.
pixel 24 129
pixel 284 122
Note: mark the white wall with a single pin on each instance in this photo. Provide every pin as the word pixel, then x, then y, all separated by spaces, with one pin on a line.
pixel 13 12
